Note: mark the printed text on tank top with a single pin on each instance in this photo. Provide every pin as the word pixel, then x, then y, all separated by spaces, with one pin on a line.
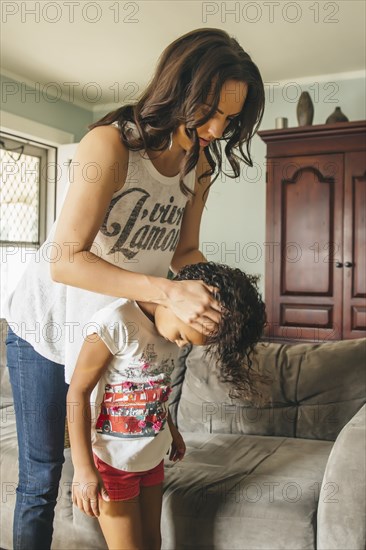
pixel 160 232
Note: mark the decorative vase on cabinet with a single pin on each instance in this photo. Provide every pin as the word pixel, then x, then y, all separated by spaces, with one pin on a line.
pixel 336 116
pixel 305 110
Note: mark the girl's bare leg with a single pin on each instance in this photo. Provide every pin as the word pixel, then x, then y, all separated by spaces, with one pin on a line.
pixel 121 524
pixel 150 506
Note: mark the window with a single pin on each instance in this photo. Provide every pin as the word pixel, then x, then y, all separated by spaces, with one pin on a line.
pixel 26 204
pixel 23 193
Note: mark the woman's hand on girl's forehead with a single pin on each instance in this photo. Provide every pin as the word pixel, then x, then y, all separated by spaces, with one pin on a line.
pixel 195 304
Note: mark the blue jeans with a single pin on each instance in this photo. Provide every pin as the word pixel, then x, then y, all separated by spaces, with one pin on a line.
pixel 39 391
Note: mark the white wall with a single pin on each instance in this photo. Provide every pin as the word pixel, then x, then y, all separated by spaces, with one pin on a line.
pixel 233 225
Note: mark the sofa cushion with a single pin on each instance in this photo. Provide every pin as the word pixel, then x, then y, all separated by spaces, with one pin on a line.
pixel 316 390
pixel 242 493
pixel 177 378
pixel 331 387
pixel 341 516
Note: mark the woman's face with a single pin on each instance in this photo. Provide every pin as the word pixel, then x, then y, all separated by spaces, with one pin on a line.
pixel 232 98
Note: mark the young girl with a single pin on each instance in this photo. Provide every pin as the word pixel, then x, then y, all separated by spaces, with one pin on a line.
pixel 123 370
pixel 133 209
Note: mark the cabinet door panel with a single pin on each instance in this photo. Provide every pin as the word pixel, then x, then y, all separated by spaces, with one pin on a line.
pixel 354 317
pixel 307 195
pixel 307 204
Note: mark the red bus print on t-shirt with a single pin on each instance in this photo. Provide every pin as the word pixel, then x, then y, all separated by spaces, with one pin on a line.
pixel 133 410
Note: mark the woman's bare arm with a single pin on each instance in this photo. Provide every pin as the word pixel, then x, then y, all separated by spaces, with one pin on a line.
pixel 99 170
pixel 187 251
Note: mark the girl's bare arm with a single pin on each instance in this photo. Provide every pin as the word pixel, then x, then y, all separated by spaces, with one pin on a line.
pixel 93 359
pixel 87 485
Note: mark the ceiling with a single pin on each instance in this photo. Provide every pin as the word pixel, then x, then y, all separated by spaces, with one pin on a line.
pixel 97 53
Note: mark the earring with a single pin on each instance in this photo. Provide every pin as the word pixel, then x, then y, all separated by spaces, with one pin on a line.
pixel 171 141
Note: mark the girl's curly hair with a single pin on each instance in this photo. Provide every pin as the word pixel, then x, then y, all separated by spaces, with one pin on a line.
pixel 240 328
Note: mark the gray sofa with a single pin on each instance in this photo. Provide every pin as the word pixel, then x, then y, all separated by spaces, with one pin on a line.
pixel 285 476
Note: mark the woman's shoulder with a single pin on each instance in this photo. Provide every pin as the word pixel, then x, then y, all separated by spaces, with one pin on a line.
pixel 111 133
pixel 106 136
pixel 103 147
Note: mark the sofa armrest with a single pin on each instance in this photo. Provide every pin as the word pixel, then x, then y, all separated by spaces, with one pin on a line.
pixel 341 510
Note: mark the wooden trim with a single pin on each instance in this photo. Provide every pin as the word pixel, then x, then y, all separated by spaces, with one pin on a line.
pixel 320 139
pixel 311 131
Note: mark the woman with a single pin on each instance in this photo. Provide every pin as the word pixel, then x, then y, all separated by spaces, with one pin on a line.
pixel 133 208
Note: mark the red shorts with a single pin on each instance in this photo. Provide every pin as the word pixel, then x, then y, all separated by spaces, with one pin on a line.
pixel 122 485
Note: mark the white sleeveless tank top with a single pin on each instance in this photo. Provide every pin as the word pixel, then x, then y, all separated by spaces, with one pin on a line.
pixel 140 233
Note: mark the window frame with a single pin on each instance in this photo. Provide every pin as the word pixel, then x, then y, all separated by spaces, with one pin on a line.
pixel 47 184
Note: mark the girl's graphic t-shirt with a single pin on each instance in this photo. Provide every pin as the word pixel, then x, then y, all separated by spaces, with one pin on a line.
pixel 130 402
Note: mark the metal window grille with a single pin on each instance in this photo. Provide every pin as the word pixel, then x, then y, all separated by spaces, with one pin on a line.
pixel 23 198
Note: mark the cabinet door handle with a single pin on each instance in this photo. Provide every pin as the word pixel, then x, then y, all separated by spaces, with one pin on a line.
pixel 348 264
pixel 339 264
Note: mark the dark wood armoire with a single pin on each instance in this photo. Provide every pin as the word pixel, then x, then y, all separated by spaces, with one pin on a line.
pixel 315 278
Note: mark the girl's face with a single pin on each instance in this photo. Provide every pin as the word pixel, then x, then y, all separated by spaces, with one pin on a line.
pixel 232 98
pixel 173 329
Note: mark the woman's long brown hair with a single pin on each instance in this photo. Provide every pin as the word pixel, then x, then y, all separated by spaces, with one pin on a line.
pixel 189 69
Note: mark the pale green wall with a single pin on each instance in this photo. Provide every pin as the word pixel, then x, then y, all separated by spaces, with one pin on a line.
pixel 99 114
pixel 17 99
pixel 233 225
